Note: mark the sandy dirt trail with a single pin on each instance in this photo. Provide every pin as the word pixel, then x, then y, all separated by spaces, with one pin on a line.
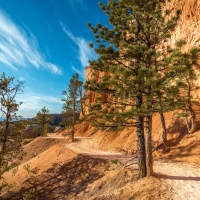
pixel 85 147
pixel 184 179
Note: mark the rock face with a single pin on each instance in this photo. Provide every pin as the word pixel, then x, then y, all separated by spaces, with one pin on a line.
pixel 188 29
pixel 91 74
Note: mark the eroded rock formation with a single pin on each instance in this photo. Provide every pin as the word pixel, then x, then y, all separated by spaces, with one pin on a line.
pixel 91 74
pixel 188 29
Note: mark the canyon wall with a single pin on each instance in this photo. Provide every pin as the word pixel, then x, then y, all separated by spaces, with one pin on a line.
pixel 188 29
pixel 91 74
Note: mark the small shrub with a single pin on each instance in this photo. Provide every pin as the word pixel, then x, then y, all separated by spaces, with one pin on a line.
pixel 115 161
pixel 27 168
pixel 32 194
pixel 47 129
pixel 107 168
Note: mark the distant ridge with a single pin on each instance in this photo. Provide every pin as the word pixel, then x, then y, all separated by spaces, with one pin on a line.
pixel 3 118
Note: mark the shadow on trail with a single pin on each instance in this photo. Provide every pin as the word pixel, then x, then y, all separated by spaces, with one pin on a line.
pixel 120 157
pixel 188 178
pixel 63 181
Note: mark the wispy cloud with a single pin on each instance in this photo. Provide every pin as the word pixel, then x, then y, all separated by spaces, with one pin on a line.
pixel 17 49
pixel 85 53
pixel 33 103
pixel 80 72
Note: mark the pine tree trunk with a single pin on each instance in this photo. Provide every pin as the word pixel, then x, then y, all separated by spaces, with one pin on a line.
pixel 72 136
pixel 192 125
pixel 164 131
pixel 192 120
pixel 141 148
pixel 73 118
pixel 141 141
pixel 186 120
pixel 148 145
pixel 5 139
pixel 73 123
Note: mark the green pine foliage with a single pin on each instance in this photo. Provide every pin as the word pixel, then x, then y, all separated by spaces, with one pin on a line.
pixel 142 75
pixel 73 102
pixel 131 56
pixel 44 118
pixel 11 129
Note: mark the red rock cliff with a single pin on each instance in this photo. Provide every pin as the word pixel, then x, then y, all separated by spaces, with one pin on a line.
pixel 188 29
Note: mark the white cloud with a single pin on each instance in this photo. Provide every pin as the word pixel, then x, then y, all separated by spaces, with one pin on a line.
pixel 85 53
pixel 33 103
pixel 16 49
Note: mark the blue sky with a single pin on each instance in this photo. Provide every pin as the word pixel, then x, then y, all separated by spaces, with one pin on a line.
pixel 44 42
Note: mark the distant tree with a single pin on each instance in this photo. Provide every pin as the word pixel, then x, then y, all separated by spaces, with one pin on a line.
pixel 82 98
pixel 43 117
pixel 187 60
pixel 47 129
pixel 72 102
pixel 189 112
pixel 11 129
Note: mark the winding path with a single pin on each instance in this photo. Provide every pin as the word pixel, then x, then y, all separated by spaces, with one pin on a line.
pixel 183 178
pixel 84 146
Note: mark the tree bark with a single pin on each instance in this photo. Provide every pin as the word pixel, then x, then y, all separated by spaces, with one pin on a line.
pixel 164 131
pixel 148 146
pixel 81 100
pixel 141 148
pixel 73 118
pixel 192 120
pixel 192 124
pixel 5 136
pixel 72 136
pixel 141 140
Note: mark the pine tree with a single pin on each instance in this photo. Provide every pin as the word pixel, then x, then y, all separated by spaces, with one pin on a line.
pixel 140 78
pixel 73 102
pixel 43 118
pixel 184 62
pixel 12 127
